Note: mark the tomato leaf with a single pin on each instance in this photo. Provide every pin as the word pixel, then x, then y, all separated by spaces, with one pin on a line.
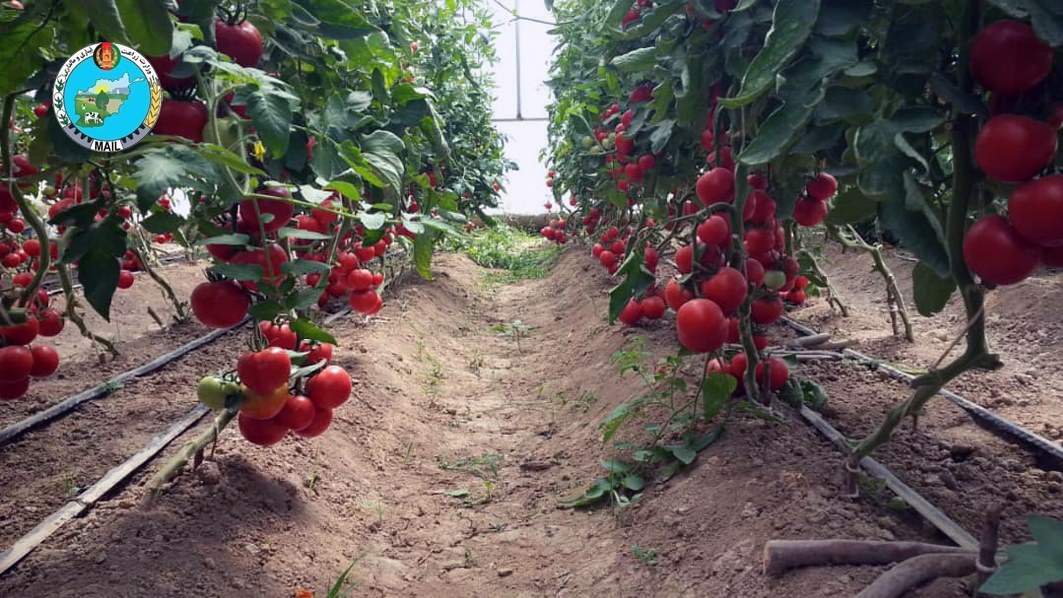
pixel 228 239
pixel 381 150
pixel 931 291
pixel 307 330
pixel 297 233
pixel 163 222
pixel 636 280
pixel 271 114
pixel 792 23
pixel 716 389
pixel 265 310
pixel 246 272
pixel 849 207
pixel 147 25
pixel 303 267
pixel 422 253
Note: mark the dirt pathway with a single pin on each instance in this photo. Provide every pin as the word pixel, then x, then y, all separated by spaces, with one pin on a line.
pixel 442 476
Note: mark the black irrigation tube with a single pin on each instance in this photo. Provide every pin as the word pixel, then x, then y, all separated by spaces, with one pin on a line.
pixel 105 388
pixel 998 424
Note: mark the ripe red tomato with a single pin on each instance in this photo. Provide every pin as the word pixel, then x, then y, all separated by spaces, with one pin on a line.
pixel 650 257
pixel 183 119
pixel 1036 211
pixel 125 279
pixel 20 334
pixel 329 388
pixel 998 254
pixel 320 423
pixel 763 207
pixel 632 313
pixel 759 240
pixel 15 363
pixel 365 302
pixel 766 310
pixel 50 323
pixel 701 326
pixel 809 212
pixel 361 279
pixel 776 375
pixel 652 308
pixel 319 352
pixel 715 230
pixel 297 413
pixel 822 187
pixel 278 335
pixel 676 295
pixel 242 41
pixel 754 272
pixel 607 258
pixel 222 253
pixel 1014 148
pixel 738 366
pixel 219 304
pixel 715 186
pixel 727 288
pixel 281 209
pixel 14 390
pixel 264 371
pixel 263 432
pixel 45 361
pixel 1007 57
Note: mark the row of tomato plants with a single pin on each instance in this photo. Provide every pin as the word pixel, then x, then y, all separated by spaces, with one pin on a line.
pixel 719 134
pixel 298 143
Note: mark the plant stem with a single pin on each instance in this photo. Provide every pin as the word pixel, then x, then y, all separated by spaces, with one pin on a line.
pixel 179 306
pixel 894 298
pixel 833 298
pixel 188 451
pixel 27 210
pixel 72 311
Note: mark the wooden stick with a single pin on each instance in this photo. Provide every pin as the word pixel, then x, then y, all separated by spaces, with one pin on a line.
pixel 809 341
pixel 987 552
pixel 918 570
pixel 782 555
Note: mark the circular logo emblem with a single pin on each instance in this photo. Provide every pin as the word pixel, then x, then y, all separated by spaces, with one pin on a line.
pixel 107 97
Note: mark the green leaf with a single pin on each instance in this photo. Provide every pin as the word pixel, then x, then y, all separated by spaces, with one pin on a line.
pixel 792 23
pixel 778 131
pixel 339 19
pixel 298 233
pixel 230 239
pixel 20 54
pixel 98 271
pixel 812 394
pixel 372 220
pixel 684 454
pixel 348 190
pixel 271 114
pixel 382 150
pixel 1047 21
pixel 931 291
pixel 303 267
pixel 716 389
pixel 635 60
pixel 147 25
pixel 661 135
pixel 222 156
pixel 917 233
pixel 1029 566
pixel 842 17
pixel 265 310
pixel 163 222
pixel 423 244
pixel 617 12
pixel 636 280
pixel 247 272
pixel 104 17
pixel 304 298
pixel 850 207
pixel 307 330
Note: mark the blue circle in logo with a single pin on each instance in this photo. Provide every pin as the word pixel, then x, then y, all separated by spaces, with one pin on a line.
pixel 124 92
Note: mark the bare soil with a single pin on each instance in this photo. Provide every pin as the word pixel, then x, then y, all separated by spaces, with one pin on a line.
pixel 442 475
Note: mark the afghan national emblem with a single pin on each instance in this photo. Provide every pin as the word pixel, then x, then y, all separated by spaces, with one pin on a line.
pixel 107 97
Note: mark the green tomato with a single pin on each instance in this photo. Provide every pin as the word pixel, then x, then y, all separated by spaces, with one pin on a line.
pixel 774 279
pixel 609 142
pixel 588 142
pixel 213 391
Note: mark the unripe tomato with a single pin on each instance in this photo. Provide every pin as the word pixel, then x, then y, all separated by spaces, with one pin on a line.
pixel 264 405
pixel 213 391
pixel 1014 148
pixel 701 326
pixel 997 253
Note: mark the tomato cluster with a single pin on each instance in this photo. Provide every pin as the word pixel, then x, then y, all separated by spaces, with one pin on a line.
pixel 19 360
pixel 270 404
pixel 555 231
pixel 1015 145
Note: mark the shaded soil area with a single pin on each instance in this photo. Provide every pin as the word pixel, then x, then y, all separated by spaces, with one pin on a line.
pixel 442 475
